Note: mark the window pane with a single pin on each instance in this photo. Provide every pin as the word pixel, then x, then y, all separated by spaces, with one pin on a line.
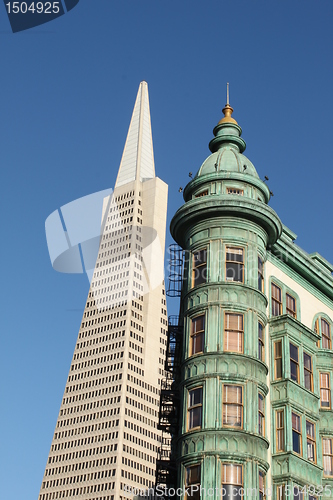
pixel 294 352
pixel 325 380
pixel 195 417
pixel 290 305
pixel 234 321
pixel 193 478
pixel 232 406
pixel 276 300
pixel 293 371
pixel 200 257
pixel 235 254
pixel 307 362
pixel 296 433
pixel 261 414
pixel 196 396
pixel 260 331
pixel 232 394
pixel 195 408
pixel 325 392
pixel 232 474
pixel 231 492
pixel 296 422
pixel 278 359
pixel 261 485
pixel 198 324
pixel 325 328
pixel 261 352
pixel 328 456
pixel 310 445
pixel 198 343
pixel 278 349
pixel 296 442
pixel 308 380
pixel 276 292
pixel 280 440
pixel 233 338
pixel 310 429
pixel 199 267
pixel 197 335
pixel 233 341
pixel 193 474
pixel 260 274
pixel 326 334
pixel 328 466
pixel 298 494
pixel 279 418
pixel 325 398
pixel 310 451
pixel 280 430
pixel 261 403
pixel 234 264
pixel 294 363
pixel 307 371
pixel 281 492
pixel 234 272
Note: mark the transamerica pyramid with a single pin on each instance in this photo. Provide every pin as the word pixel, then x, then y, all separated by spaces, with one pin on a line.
pixel 106 437
pixel 137 161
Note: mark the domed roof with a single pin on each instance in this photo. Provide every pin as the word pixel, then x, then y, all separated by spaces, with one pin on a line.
pixel 227 159
pixel 227 149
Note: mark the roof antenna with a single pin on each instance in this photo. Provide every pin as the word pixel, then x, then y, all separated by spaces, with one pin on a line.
pixel 228 94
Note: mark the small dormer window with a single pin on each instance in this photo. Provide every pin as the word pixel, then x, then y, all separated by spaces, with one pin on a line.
pixel 233 190
pixel 203 193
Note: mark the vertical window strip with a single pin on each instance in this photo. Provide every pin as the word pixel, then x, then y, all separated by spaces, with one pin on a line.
pixel 194 410
pixel 232 474
pixel 291 305
pixel 261 344
pixel 316 330
pixel 233 406
pixel 296 433
pixel 261 485
pixel 260 274
pixel 199 273
pixel 294 364
pixel 298 493
pixel 325 334
pixel 197 334
pixel 278 359
pixel 311 441
pixel 261 414
pixel 234 264
pixel 193 478
pixel 276 300
pixel 233 332
pixel 325 391
pixel 280 492
pixel 279 430
pixel 308 375
pixel 328 456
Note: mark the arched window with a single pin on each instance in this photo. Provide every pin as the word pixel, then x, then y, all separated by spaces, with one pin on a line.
pixel 323 328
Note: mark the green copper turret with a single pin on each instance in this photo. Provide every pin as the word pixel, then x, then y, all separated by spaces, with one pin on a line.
pixel 225 227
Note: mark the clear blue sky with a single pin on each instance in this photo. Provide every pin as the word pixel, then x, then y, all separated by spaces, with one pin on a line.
pixel 67 93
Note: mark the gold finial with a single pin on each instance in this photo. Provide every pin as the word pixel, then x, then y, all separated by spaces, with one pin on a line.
pixel 227 111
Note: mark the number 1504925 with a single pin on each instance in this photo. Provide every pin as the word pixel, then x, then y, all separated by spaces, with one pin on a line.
pixel 33 7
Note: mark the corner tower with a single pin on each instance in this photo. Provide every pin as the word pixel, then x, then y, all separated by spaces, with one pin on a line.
pixel 225 228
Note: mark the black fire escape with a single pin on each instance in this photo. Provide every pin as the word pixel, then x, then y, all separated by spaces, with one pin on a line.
pixel 166 470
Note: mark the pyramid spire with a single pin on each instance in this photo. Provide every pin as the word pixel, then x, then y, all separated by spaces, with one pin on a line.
pixel 137 161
